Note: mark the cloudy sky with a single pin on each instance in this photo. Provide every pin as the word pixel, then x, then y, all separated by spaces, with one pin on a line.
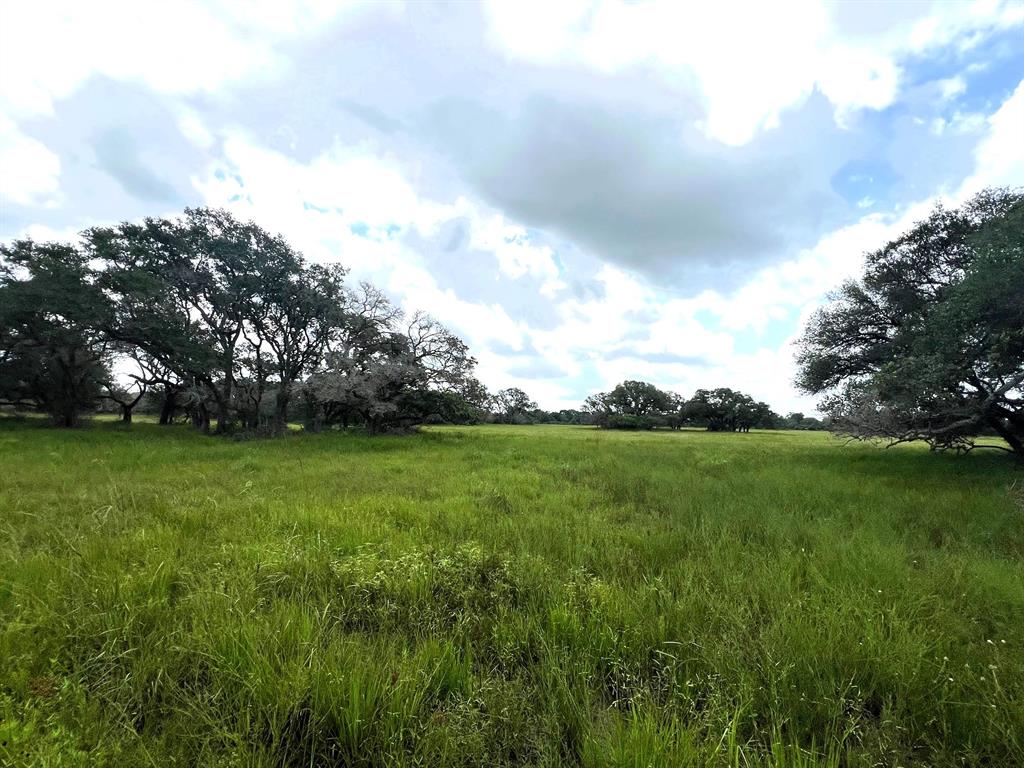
pixel 585 190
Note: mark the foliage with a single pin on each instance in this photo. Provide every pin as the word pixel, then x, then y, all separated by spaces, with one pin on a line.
pixel 724 410
pixel 929 343
pixel 797 420
pixel 219 319
pixel 53 356
pixel 640 405
pixel 389 372
pixel 492 596
pixel 512 406
pixel 631 405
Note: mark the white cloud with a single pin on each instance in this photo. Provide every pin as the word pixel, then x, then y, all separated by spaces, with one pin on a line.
pixel 952 87
pixel 349 206
pixel 749 60
pixel 193 129
pixel 516 254
pixel 355 202
pixel 958 123
pixel 999 157
pixel 653 336
pixel 856 78
pixel 964 23
pixel 29 171
pixel 175 48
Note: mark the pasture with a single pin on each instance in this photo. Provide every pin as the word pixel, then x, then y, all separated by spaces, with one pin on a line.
pixel 506 596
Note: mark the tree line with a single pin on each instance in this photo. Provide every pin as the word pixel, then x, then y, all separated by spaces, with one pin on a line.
pixel 220 322
pixel 210 319
pixel 641 405
pixel 217 321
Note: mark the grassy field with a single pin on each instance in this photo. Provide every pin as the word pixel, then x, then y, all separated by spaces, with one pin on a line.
pixel 506 596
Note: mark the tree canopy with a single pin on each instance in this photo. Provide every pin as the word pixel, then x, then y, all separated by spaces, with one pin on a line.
pixel 929 343
pixel 53 354
pixel 216 320
pixel 221 319
pixel 725 410
pixel 641 405
pixel 512 406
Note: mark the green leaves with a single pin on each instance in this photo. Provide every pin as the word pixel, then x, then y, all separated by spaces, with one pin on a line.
pixel 929 344
pixel 53 355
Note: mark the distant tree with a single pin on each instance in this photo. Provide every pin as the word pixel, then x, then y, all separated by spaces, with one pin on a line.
pixel 726 410
pixel 126 398
pixel 766 418
pixel 675 414
pixel 631 405
pixel 179 297
pixel 222 304
pixel 468 402
pixel 567 416
pixel 929 343
pixel 797 420
pixel 53 355
pixel 456 406
pixel 294 311
pixel 389 372
pixel 639 398
pixel 218 318
pixel 511 406
pixel 166 392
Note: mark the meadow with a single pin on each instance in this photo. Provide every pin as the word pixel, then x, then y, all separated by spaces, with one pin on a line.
pixel 506 596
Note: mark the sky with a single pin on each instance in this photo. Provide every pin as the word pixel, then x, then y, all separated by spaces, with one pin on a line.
pixel 586 191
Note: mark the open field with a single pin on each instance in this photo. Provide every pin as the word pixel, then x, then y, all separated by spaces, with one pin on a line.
pixel 506 596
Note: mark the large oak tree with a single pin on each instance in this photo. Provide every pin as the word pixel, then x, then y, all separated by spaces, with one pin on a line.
pixel 929 343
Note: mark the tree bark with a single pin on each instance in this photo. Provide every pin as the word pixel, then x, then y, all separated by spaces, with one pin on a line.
pixel 281 401
pixel 167 408
pixel 1013 440
pixel 223 415
pixel 201 418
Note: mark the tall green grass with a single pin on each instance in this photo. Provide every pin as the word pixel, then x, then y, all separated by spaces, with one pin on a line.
pixel 506 596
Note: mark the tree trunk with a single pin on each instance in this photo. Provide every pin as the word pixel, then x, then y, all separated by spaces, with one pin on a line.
pixel 126 414
pixel 1012 439
pixel 167 409
pixel 223 415
pixel 201 418
pixel 315 414
pixel 281 409
pixel 222 395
